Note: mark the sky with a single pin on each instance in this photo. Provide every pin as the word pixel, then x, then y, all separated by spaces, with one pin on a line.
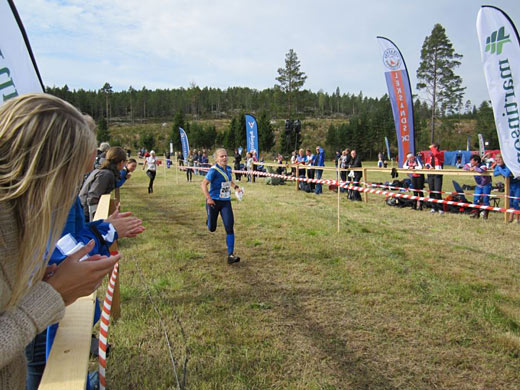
pixel 227 43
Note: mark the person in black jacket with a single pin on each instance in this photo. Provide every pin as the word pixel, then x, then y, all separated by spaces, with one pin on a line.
pixel 236 164
pixel 355 176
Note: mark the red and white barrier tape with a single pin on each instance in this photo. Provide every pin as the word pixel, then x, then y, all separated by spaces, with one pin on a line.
pixel 103 327
pixel 349 186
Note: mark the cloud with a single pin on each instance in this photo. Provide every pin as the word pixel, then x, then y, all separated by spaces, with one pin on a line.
pixel 171 43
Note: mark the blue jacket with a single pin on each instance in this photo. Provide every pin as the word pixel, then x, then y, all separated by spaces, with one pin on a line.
pixel 124 173
pixel 320 158
pixel 77 232
pixel 506 172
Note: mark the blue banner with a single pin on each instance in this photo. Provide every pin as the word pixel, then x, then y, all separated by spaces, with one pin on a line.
pixel 184 143
pixel 252 134
pixel 400 94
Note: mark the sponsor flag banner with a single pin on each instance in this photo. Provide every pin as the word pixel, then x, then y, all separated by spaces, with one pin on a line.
pixel 481 145
pixel 184 143
pixel 252 134
pixel 500 53
pixel 387 148
pixel 18 71
pixel 400 93
pixel 468 144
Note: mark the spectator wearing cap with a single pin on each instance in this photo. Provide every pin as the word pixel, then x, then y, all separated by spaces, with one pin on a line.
pixel 101 154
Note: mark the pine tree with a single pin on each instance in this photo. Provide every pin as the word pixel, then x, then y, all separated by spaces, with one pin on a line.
pixel 291 79
pixel 486 125
pixel 103 134
pixel 437 77
pixel 178 121
pixel 265 133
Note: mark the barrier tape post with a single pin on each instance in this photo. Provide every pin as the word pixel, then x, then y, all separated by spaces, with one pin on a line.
pixel 177 171
pixel 103 328
pixel 337 188
pixel 365 181
pixel 506 199
pixel 297 175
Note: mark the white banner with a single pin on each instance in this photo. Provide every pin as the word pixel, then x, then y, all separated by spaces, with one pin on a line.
pixel 500 52
pixel 18 72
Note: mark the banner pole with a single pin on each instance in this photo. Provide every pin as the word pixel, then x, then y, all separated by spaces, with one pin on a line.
pixel 177 170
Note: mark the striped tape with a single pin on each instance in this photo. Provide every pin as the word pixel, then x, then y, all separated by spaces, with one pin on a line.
pixel 103 327
pixel 349 186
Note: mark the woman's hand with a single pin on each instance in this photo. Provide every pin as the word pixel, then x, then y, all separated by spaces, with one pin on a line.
pixel 74 278
pixel 125 224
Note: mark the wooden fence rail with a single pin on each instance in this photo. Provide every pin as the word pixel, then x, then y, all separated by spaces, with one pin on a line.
pixel 67 366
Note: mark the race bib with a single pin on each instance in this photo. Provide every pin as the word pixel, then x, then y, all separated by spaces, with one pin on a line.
pixel 225 190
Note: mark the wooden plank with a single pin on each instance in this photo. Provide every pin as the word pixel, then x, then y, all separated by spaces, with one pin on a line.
pixel 103 209
pixel 67 366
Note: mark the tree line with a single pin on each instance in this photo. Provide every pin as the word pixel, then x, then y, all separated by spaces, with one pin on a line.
pixel 367 121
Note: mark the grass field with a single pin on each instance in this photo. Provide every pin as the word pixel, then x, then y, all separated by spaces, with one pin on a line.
pixel 399 299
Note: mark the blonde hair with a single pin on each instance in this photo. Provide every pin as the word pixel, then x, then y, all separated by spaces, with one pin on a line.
pixel 45 148
pixel 218 151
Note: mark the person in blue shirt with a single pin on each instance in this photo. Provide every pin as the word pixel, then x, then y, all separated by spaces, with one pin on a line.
pixel 218 200
pixel 501 169
pixel 483 187
pixel 126 172
pixel 319 161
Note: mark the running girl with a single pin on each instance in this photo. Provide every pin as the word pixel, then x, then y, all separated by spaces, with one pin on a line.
pixel 218 200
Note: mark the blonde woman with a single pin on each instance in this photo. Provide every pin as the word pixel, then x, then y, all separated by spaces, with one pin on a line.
pixel 45 146
pixel 218 200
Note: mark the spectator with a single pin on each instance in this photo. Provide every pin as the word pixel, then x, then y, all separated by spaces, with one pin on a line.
pixel 102 181
pixel 337 157
pixel 126 172
pixel 380 160
pixel 236 164
pixel 310 172
pixel 355 176
pixel 417 179
pixel 344 162
pixel 189 163
pixel 502 170
pixel 249 166
pixel 294 160
pixel 204 161
pixel 458 163
pixel 483 187
pixel 435 160
pixel 101 154
pixel 319 162
pixel 34 295
pixel 279 160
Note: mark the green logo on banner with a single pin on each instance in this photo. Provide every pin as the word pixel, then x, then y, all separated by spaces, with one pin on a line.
pixel 495 42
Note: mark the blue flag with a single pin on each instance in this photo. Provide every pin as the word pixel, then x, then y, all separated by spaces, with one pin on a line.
pixel 387 148
pixel 252 134
pixel 184 143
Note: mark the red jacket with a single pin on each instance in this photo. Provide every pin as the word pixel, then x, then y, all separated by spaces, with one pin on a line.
pixel 435 158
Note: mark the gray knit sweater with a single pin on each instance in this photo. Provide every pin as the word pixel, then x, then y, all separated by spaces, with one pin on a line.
pixel 40 307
